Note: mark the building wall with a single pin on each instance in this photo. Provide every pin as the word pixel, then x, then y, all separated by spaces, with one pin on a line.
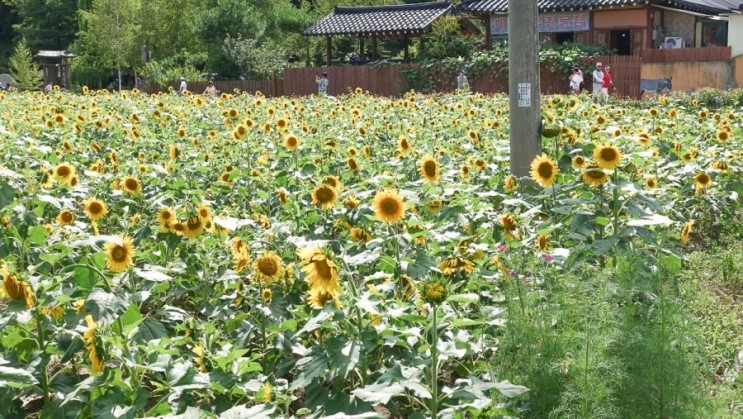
pixel 679 24
pixel 738 69
pixel 735 34
pixel 619 19
pixel 692 75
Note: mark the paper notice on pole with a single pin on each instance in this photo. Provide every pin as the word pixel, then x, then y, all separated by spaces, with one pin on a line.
pixel 524 95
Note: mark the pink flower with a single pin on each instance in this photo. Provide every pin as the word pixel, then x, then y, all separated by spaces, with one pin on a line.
pixel 502 247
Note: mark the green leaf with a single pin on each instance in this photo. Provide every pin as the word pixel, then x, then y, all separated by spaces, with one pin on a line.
pixel 129 319
pixel 105 307
pixel 7 195
pixel 671 264
pixel 379 393
pixel 16 377
pixel 37 235
pixel 150 329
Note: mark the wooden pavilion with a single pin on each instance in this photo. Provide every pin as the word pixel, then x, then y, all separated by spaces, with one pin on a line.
pixel 377 23
pixel 56 66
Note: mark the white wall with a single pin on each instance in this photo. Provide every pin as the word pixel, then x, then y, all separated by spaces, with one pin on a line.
pixel 735 34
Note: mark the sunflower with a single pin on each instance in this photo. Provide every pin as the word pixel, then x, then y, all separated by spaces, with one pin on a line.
pixel 702 180
pixel 429 169
pixel 360 235
pixel 320 271
pixel 456 264
pixel 95 208
pixel 181 132
pixel 166 217
pixel 543 242
pixel 472 135
pixel 510 224
pixel 266 295
pixel 16 289
pixel 173 152
pixel 685 231
pixel 120 254
pixel 434 291
pixel 268 267
pixel 651 182
pixel 240 260
pixel 594 176
pixel 131 185
pixel 388 206
pixel 544 170
pixel 332 181
pixel 607 156
pixel 403 144
pixel 283 195
pixel 194 227
pixel 65 217
pixel 481 164
pixel 96 361
pixel 720 165
pixel 578 161
pixel 324 196
pixel 204 212
pixel 351 202
pixel 353 165
pixel 723 136
pixel 318 299
pixel 291 142
pixel 281 123
pixel 509 183
pixel 367 151
pixel 64 172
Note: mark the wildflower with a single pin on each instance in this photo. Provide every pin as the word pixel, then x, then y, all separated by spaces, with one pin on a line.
pixel 544 170
pixel 268 267
pixel 388 206
pixel 429 169
pixel 120 255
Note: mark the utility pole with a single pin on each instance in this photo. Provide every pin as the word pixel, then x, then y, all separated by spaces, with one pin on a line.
pixel 523 85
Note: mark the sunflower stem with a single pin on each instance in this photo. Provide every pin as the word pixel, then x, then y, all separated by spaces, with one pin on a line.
pixel 434 365
pixel 615 205
pixel 42 347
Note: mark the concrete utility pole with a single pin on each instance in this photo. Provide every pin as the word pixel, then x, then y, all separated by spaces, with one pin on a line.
pixel 523 84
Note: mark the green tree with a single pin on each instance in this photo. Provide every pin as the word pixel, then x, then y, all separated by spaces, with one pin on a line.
pixel 23 68
pixel 46 24
pixel 170 27
pixel 110 34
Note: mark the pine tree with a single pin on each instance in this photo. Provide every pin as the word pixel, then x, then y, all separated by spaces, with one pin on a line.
pixel 23 68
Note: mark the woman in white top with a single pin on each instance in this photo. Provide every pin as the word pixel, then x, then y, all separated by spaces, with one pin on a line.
pixel 576 79
pixel 598 80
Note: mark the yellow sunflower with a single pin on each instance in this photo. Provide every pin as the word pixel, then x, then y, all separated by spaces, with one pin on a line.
pixel 607 156
pixel 16 289
pixel 320 271
pixel 723 136
pixel 594 176
pixel 204 212
pixel 685 231
pixel 509 183
pixel 95 208
pixel 291 142
pixel 702 180
pixel 403 144
pixel 456 264
pixel 544 170
pixel 131 185
pixel 543 242
pixel 324 197
pixel 388 206
pixel 268 267
pixel 429 169
pixel 510 225
pixel 578 161
pixel 194 227
pixel 353 165
pixel 64 172
pixel 65 217
pixel 318 299
pixel 651 182
pixel 120 254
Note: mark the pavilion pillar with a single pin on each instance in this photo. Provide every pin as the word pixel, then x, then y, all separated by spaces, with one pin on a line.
pixel 361 49
pixel 374 47
pixel 329 50
pixel 406 57
pixel 488 33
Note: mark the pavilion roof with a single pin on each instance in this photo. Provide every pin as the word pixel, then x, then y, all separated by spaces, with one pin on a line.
pixel 405 19
pixel 710 7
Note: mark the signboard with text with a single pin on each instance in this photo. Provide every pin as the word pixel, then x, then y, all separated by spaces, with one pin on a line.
pixel 548 22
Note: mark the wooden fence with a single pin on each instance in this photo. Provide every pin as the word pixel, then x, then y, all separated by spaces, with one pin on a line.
pixel 686 54
pixel 390 81
pixel 385 81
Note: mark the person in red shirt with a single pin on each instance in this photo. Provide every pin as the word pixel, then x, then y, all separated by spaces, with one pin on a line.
pixel 608 83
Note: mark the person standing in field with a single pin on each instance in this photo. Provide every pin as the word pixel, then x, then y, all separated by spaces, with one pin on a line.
pixel 183 86
pixel 462 82
pixel 598 80
pixel 608 84
pixel 322 84
pixel 576 80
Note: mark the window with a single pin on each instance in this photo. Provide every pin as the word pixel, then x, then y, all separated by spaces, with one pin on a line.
pixel 714 33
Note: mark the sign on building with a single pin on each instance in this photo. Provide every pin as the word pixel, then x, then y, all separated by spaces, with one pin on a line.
pixel 548 22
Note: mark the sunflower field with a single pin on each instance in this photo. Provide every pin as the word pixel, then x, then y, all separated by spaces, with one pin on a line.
pixel 359 256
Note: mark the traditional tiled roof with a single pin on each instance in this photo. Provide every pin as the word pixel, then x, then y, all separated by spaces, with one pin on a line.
pixel 380 20
pixel 711 7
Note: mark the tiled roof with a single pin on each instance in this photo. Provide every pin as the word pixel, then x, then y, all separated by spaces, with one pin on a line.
pixel 381 20
pixel 712 7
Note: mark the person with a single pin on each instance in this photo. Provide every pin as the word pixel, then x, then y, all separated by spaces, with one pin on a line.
pixel 598 80
pixel 183 87
pixel 608 84
pixel 576 80
pixel 210 89
pixel 48 88
pixel 462 82
pixel 322 84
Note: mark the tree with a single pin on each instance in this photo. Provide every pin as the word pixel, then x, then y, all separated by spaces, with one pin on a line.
pixel 46 24
pixel 23 68
pixel 110 33
pixel 254 60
